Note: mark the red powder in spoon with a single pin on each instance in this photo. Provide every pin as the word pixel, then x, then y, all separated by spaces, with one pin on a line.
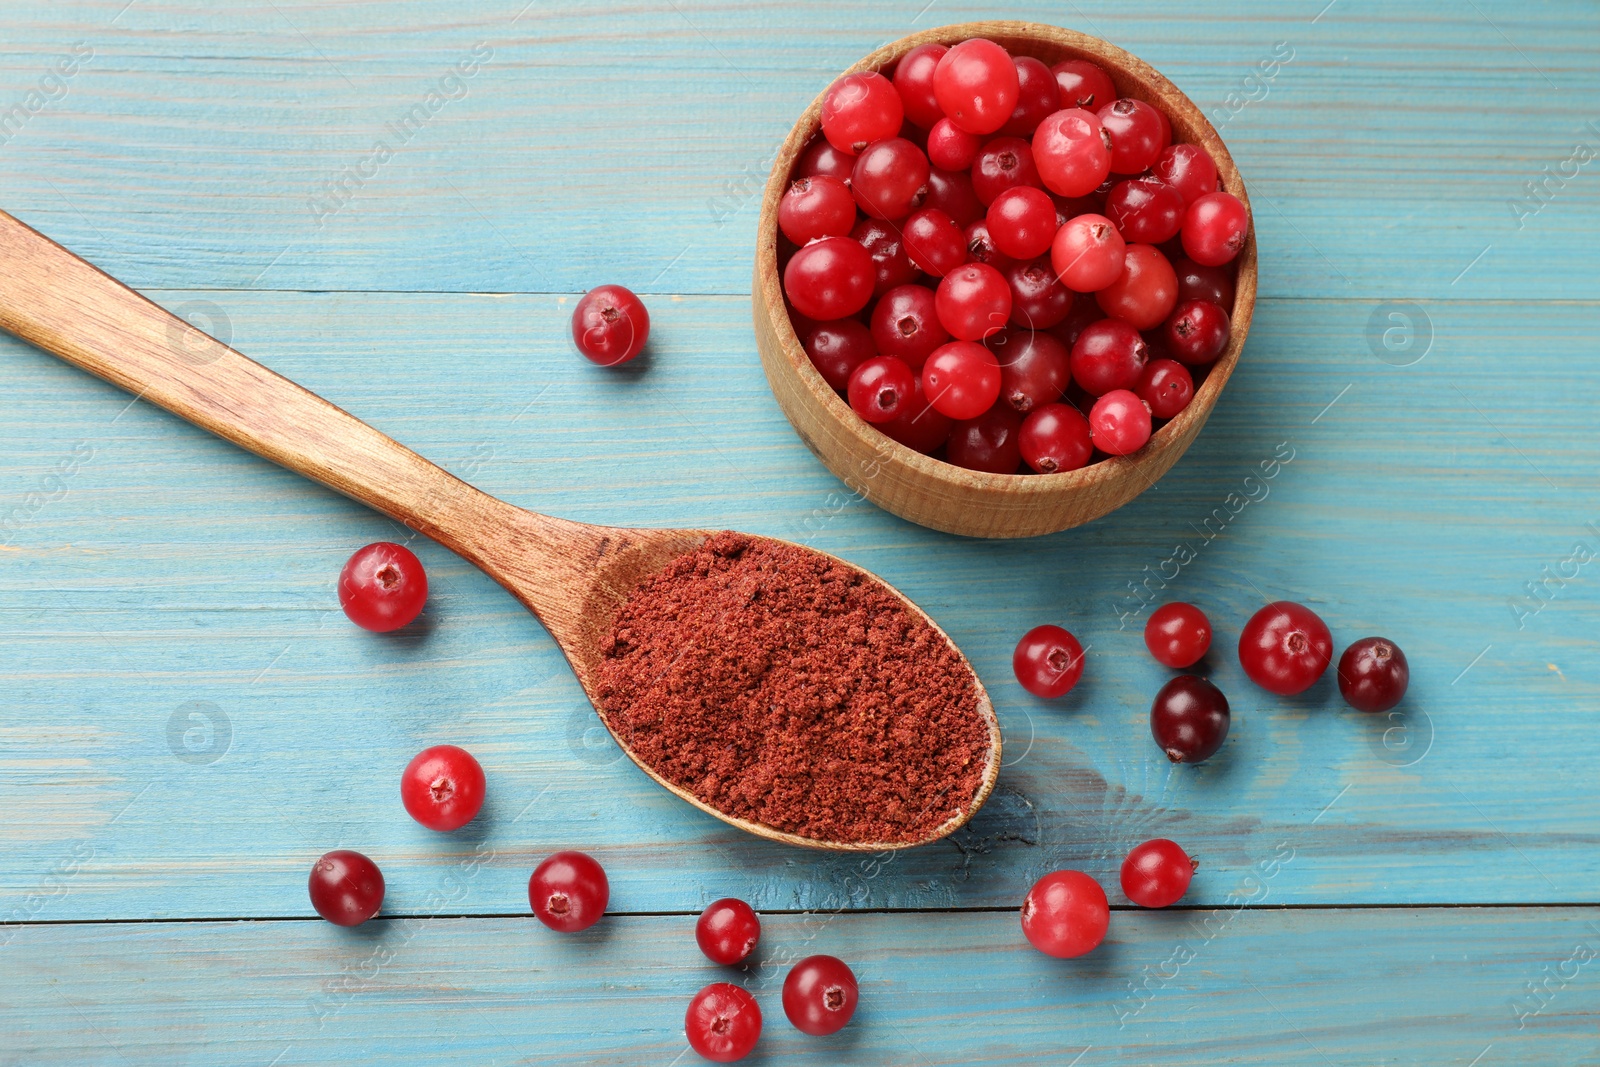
pixel 781 687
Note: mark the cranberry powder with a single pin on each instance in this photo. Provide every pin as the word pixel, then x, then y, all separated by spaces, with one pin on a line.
pixel 785 688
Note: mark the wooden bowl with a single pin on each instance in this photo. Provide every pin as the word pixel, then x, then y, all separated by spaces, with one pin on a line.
pixel 927 490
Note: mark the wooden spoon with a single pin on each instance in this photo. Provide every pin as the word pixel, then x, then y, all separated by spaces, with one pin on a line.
pixel 571 575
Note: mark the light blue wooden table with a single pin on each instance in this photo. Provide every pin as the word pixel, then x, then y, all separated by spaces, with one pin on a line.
pixel 188 720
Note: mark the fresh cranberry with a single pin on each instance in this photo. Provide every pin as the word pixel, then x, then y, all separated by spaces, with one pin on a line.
pixel 383 587
pixel 727 931
pixel 1119 423
pixel 981 249
pixel 346 888
pixel 816 207
pixel 1109 355
pixel 1070 152
pixel 1003 163
pixel 1156 874
pixel 1373 674
pixel 1145 210
pixel 1166 387
pixel 819 995
pixel 723 1023
pixel 987 443
pixel 1088 253
pixel 1214 285
pixel 1055 437
pixel 859 109
pixel 1065 914
pixel 1189 719
pixel 610 325
pixel 1038 299
pixel 830 279
pixel 1037 97
pixel 1083 84
pixel 569 892
pixel 881 389
pixel 1189 169
pixel 1144 293
pixel 933 242
pixel 837 348
pixel 913 80
pixel 1022 221
pixel 976 85
pixel 1177 634
pixel 973 301
pixel 824 159
pixel 905 323
pixel 1048 661
pixel 1285 647
pixel 1214 229
pixel 921 427
pixel 1138 132
pixel 950 191
pixel 962 379
pixel 888 178
pixel 1084 313
pixel 1033 368
pixel 442 787
pixel 890 265
pixel 951 147
pixel 1196 333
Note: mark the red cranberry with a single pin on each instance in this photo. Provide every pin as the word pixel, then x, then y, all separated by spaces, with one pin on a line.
pixel 1022 221
pixel 859 109
pixel 1166 387
pixel 1055 437
pixel 610 325
pixel 822 158
pixel 1088 253
pixel 1048 661
pixel 723 1023
pixel 1138 132
pixel 1037 97
pixel 962 379
pixel 1156 874
pixel 950 191
pixel 816 207
pixel 1071 153
pixel 1065 914
pixel 976 85
pixel 569 892
pixel 443 787
pixel 1038 300
pixel 1003 163
pixel 951 147
pixel 819 995
pixel 1189 169
pixel 1084 313
pixel 837 348
pixel 1214 229
pixel 888 178
pixel 1119 423
pixel 881 389
pixel 1214 285
pixel 981 249
pixel 905 323
pixel 727 931
pixel 1082 84
pixel 1177 634
pixel 1285 647
pixel 1196 333
pixel 987 443
pixel 346 888
pixel 1109 355
pixel 920 428
pixel 973 301
pixel 890 264
pixel 1189 719
pixel 383 587
pixel 913 80
pixel 933 242
pixel 1033 368
pixel 1145 291
pixel 1145 210
pixel 830 279
pixel 1373 674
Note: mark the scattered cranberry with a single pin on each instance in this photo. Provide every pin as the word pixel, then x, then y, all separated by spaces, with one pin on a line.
pixel 1156 874
pixel 819 995
pixel 1373 674
pixel 383 587
pixel 1285 647
pixel 1065 914
pixel 822 158
pixel 881 389
pixel 981 249
pixel 1189 719
pixel 1082 84
pixel 1166 387
pixel 1119 423
pixel 1070 151
pixel 1197 332
pixel 1048 661
pixel 1214 285
pixel 888 178
pixel 1088 253
pixel 1177 634
pixel 1189 169
pixel 988 443
pixel 860 109
pixel 933 242
pixel 976 85
pixel 950 191
pixel 1108 355
pixel 952 148
pixel 1034 368
pixel 1022 221
pixel 1038 97
pixel 610 325
pixel 905 323
pixel 816 207
pixel 346 888
pixel 442 787
pixel 1055 437
pixel 890 265
pixel 973 302
pixel 727 931
pixel 1145 210
pixel 1214 229
pixel 569 892
pixel 1003 163
pixel 1038 299
pixel 830 279
pixel 1138 133
pixel 921 428
pixel 1144 293
pixel 962 379
pixel 913 80
pixel 723 1023
pixel 837 348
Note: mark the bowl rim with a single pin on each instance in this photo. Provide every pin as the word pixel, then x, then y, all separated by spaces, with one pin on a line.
pixel 1125 70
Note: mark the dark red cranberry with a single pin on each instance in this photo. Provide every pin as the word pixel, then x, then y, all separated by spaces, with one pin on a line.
pixel 921 427
pixel 1145 210
pixel 1211 284
pixel 1373 674
pixel 881 389
pixel 346 888
pixel 823 158
pixel 1189 719
pixel 1109 355
pixel 1033 367
pixel 891 266
pixel 1037 97
pixel 1189 169
pixel 950 191
pixel 988 442
pixel 837 348
pixel 889 177
pixel 981 248
pixel 905 323
pixel 1196 333
pixel 1003 163
pixel 1166 387
pixel 819 995
pixel 933 242
pixel 1038 299
pixel 1085 313
pixel 1055 437
pixel 1083 84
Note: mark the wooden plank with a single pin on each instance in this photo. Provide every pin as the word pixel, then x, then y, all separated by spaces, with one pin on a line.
pixel 168 568
pixel 1385 152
